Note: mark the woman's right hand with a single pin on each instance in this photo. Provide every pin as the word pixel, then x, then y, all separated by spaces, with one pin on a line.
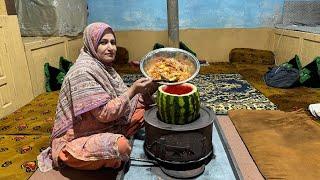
pixel 139 86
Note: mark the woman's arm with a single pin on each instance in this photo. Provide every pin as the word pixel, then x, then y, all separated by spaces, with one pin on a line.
pixel 113 110
pixel 120 106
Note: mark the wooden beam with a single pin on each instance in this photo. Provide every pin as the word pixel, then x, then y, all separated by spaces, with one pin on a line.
pixel 10 6
pixel 7 7
pixel 173 23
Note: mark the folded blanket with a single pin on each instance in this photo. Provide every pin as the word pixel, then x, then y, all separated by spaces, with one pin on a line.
pixel 315 110
pixel 284 145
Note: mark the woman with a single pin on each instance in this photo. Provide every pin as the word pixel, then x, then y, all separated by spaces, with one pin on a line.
pixel 96 111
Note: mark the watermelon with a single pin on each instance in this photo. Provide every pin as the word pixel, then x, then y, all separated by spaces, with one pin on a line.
pixel 178 104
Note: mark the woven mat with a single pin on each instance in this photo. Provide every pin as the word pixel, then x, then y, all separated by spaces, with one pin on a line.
pixel 284 145
pixel 223 92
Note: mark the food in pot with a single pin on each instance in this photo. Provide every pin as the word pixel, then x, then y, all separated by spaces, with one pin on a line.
pixel 178 104
pixel 169 69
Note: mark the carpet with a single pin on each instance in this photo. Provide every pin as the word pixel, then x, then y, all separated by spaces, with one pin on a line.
pixel 284 145
pixel 24 134
pixel 223 92
pixel 18 155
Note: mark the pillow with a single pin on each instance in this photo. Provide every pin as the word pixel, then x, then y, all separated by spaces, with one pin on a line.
pixel 251 56
pixel 310 74
pixel 182 46
pixel 54 77
pixel 157 46
pixel 293 63
pixel 64 64
pixel 186 48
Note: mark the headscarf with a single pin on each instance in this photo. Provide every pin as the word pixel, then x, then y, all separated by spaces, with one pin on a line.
pixel 92 35
pixel 88 84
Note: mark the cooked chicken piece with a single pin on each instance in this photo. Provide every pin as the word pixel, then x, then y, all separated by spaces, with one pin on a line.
pixel 168 69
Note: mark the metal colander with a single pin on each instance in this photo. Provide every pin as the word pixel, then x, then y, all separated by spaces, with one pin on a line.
pixel 171 53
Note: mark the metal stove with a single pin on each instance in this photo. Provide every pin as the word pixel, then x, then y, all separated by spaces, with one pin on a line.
pixel 182 151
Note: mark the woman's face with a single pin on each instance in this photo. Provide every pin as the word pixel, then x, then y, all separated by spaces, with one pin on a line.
pixel 107 48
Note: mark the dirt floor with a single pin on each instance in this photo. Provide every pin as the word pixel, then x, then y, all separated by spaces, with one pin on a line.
pixel 285 99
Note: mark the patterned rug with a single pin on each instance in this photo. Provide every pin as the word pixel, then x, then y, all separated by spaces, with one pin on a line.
pixel 24 134
pixel 223 92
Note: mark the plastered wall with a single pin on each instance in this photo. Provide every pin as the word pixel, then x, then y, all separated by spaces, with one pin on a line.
pixel 212 45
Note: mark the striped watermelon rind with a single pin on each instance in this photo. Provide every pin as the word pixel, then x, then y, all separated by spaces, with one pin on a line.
pixel 178 109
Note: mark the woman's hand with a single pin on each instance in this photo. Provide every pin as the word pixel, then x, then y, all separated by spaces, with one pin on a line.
pixel 147 96
pixel 141 85
pixel 150 90
pixel 153 88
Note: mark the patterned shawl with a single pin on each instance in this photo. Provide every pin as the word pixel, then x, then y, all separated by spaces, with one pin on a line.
pixel 88 84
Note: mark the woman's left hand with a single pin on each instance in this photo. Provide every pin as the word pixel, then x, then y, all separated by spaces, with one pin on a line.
pixel 151 89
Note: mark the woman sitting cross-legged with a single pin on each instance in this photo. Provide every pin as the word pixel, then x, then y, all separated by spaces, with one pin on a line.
pixel 96 111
